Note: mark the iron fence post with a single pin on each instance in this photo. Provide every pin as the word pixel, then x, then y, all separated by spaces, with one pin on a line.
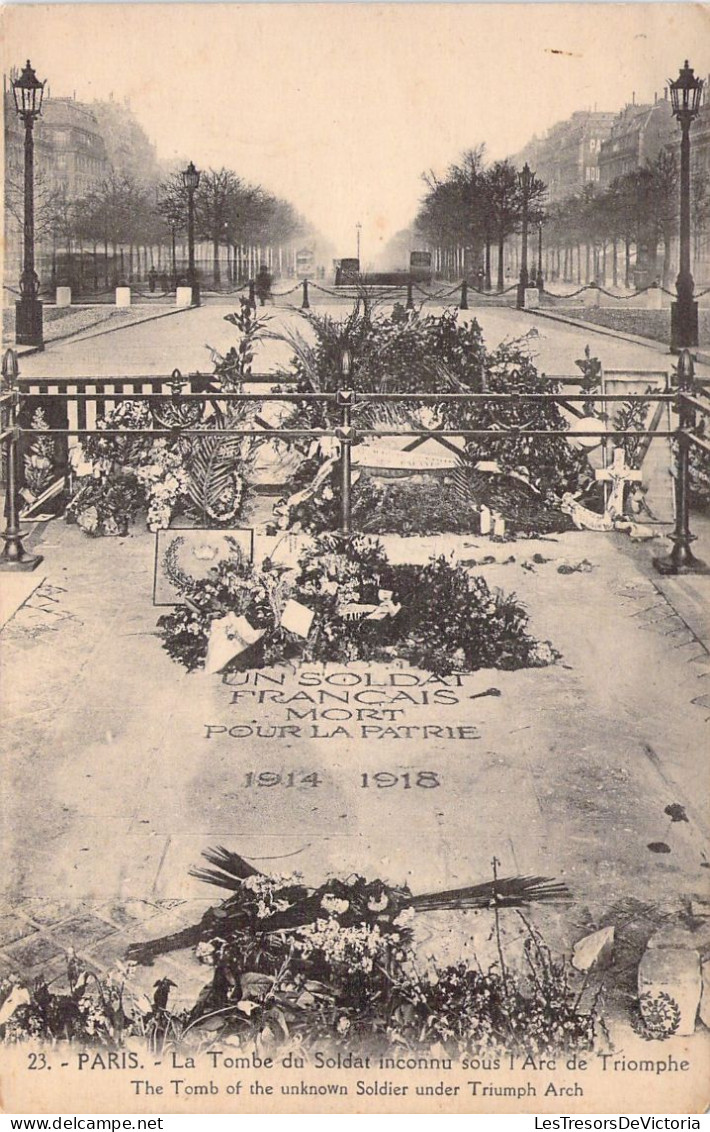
pixel 345 434
pixel 13 556
pixel 176 383
pixel 681 560
pixel 305 305
pixel 8 373
pixel 463 305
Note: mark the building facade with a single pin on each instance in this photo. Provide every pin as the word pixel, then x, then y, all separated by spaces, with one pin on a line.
pixel 77 146
pixel 591 148
pixel 638 134
pixel 70 152
pixel 566 158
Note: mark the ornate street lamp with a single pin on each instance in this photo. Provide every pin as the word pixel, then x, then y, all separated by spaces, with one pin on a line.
pixel 685 100
pixel 526 179
pixel 191 179
pixel 28 92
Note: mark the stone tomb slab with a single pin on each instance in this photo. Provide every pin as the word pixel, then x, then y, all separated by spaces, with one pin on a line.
pixel 143 766
pixel 337 770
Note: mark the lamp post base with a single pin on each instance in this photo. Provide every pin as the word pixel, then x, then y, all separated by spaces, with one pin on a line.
pixel 28 322
pixel 681 560
pixel 14 556
pixel 684 325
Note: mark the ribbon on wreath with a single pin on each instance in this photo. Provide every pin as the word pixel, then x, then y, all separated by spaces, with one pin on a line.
pixel 359 611
pixel 297 618
pixel 230 636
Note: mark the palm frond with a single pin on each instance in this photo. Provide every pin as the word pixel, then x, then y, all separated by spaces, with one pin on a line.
pixel 508 892
pixel 303 351
pixel 212 463
pixel 388 414
pixel 230 871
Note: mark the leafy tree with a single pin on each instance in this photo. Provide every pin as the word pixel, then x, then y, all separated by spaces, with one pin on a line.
pixel 468 180
pixel 473 206
pixel 46 199
pixel 215 202
pixel 620 202
pixel 438 216
pixel 171 209
pixel 504 207
pixel 699 205
pixel 665 175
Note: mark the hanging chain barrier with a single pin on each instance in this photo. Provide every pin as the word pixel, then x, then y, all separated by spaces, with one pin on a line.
pixel 464 289
pixel 597 288
pixel 687 398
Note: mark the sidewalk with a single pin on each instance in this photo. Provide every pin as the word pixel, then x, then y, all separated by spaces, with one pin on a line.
pixel 15 589
pixel 158 346
pixel 84 319
pixel 702 356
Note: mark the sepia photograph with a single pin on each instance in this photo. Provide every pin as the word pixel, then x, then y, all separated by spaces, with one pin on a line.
pixel 355 559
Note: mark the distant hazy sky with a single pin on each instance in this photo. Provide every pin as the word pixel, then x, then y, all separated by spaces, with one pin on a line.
pixel 340 107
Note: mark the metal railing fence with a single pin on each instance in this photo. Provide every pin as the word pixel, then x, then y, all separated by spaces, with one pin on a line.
pixel 687 398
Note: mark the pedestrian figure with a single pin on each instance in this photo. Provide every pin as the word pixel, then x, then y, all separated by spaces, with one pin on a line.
pixel 152 278
pixel 263 284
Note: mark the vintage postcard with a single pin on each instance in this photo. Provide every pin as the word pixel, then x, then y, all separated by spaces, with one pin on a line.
pixel 355 565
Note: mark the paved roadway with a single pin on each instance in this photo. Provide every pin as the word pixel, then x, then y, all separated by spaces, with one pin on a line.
pixel 181 341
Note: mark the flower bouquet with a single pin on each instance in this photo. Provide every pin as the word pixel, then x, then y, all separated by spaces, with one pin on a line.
pixel 344 602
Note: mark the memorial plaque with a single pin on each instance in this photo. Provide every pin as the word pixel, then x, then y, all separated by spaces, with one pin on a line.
pixel 196 551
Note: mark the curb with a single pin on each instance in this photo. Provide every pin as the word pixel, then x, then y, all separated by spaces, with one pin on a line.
pixel 623 336
pixel 634 339
pixel 115 329
pixel 27 351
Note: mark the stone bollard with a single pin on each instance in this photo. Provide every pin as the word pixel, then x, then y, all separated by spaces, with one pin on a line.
pixel 654 298
pixel 531 298
pixel 123 296
pixel 183 296
pixel 63 298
